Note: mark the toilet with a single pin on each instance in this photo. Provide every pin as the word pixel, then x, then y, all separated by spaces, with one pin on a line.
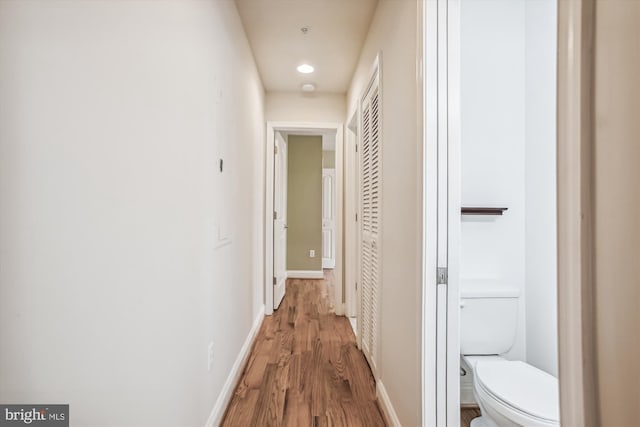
pixel 509 393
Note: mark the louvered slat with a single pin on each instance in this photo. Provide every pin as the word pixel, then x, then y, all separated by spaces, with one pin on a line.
pixel 370 205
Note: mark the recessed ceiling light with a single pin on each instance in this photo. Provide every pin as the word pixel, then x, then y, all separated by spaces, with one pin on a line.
pixel 305 69
pixel 308 87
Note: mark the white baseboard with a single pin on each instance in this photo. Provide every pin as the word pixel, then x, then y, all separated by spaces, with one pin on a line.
pixel 466 395
pixel 305 274
pixel 387 407
pixel 215 418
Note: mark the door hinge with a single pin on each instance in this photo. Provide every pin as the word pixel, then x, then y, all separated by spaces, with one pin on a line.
pixel 275 215
pixel 356 148
pixel 274 281
pixel 275 149
pixel 356 286
pixel 356 217
pixel 443 276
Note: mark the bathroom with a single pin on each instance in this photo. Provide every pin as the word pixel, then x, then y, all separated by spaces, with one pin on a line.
pixel 508 286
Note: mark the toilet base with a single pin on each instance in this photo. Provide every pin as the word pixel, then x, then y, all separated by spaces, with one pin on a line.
pixel 482 422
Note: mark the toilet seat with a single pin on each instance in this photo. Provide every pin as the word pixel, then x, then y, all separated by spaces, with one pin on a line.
pixel 520 388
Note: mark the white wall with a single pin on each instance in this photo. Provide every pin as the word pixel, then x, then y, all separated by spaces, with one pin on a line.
pixel 299 107
pixel 112 118
pixel 493 146
pixel 508 159
pixel 540 191
pixel 393 33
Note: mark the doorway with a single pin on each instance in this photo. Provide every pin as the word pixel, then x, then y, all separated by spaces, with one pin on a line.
pixel 277 226
pixel 489 185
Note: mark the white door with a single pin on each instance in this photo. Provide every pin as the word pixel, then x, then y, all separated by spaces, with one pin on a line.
pixel 370 190
pixel 279 220
pixel 328 218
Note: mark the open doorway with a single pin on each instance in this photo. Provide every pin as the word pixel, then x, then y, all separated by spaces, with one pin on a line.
pixel 303 201
pixel 490 201
pixel 508 245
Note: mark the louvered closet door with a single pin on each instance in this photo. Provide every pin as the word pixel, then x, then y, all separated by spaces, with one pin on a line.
pixel 370 205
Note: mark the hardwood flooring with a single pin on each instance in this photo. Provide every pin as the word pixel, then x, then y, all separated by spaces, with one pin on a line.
pixel 468 414
pixel 305 368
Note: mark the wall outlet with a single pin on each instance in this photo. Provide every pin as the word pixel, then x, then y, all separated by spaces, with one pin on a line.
pixel 210 356
pixel 312 253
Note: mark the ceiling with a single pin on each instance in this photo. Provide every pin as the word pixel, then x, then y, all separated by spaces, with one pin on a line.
pixel 336 32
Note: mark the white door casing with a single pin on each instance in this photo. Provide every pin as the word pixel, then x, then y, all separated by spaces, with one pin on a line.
pixel 441 213
pixel 352 211
pixel 370 195
pixel 268 209
pixel 279 220
pixel 328 218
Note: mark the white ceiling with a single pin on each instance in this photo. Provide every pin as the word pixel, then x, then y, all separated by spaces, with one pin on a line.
pixel 337 30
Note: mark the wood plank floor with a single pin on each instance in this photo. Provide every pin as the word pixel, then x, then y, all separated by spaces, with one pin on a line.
pixel 468 414
pixel 305 368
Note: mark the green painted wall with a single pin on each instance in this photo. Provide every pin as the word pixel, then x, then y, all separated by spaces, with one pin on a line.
pixel 329 159
pixel 304 202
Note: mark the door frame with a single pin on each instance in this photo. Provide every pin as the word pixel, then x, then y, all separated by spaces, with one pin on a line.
pixel 302 128
pixel 575 211
pixel 440 164
pixel 352 209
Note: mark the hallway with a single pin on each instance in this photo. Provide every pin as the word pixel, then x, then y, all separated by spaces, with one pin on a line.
pixel 305 368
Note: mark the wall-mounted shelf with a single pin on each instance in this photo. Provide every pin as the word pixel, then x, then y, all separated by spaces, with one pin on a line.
pixel 482 211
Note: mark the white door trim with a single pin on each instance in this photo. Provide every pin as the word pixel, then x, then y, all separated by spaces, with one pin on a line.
pixel 454 189
pixel 441 164
pixel 351 236
pixel 429 112
pixel 306 127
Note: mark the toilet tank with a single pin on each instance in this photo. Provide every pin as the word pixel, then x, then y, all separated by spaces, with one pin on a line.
pixel 488 320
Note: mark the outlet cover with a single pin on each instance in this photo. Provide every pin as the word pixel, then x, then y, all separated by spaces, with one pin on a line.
pixel 312 253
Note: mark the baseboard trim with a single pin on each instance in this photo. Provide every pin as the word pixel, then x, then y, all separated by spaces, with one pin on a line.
pixel 466 395
pixel 215 418
pixel 305 274
pixel 469 406
pixel 387 407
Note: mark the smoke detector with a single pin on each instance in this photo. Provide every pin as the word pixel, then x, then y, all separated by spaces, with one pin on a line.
pixel 308 87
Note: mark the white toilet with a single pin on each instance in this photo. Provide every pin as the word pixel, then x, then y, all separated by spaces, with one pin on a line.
pixel 510 393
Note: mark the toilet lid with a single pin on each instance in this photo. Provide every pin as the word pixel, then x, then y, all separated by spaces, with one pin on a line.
pixel 522 387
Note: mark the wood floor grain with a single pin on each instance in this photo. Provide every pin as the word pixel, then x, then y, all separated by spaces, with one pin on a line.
pixel 468 414
pixel 305 368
